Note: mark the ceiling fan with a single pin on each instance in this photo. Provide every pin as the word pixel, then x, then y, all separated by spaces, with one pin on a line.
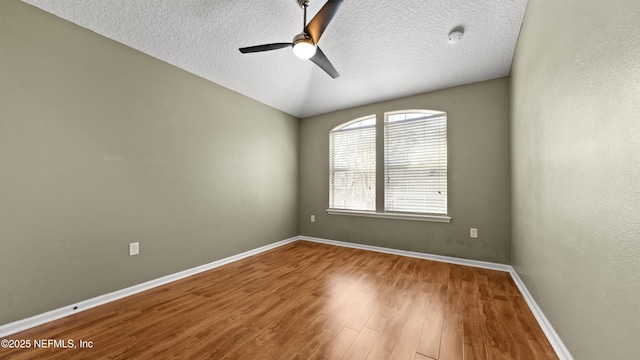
pixel 305 44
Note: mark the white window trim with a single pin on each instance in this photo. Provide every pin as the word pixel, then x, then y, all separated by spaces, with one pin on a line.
pixel 389 215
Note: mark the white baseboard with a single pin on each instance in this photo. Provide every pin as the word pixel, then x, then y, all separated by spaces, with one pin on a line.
pixel 21 325
pixel 552 336
pixel 413 254
pixel 557 344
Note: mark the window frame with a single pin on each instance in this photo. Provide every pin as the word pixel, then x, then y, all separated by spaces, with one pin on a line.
pixel 436 145
pixel 380 173
pixel 345 128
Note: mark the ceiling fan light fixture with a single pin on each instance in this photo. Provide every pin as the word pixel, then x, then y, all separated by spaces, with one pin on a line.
pixel 303 46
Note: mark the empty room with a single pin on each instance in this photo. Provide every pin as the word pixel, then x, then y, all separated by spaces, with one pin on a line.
pixel 324 179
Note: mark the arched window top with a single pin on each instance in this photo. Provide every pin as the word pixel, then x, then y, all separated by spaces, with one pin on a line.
pixel 359 123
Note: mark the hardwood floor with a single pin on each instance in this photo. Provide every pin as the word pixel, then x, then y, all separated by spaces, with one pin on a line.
pixel 309 301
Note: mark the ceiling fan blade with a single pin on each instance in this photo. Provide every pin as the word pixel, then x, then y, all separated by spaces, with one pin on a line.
pixel 319 23
pixel 321 60
pixel 265 47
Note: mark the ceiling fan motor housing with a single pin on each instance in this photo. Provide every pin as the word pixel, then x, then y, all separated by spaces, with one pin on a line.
pixel 302 37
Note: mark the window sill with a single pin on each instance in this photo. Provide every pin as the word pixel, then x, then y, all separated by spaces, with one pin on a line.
pixel 416 217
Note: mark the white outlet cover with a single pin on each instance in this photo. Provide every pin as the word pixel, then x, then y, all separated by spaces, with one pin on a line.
pixel 134 248
pixel 313 218
pixel 473 232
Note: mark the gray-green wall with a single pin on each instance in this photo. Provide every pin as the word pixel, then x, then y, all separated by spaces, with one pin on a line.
pixel 576 171
pixel 478 171
pixel 101 145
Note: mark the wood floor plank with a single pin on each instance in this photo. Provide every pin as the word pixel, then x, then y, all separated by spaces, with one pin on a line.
pixel 360 318
pixel 472 319
pixel 392 285
pixel 341 318
pixel 495 337
pixel 327 318
pixel 410 336
pixel 309 301
pixel 517 340
pixel 422 357
pixel 268 336
pixel 431 335
pixel 378 319
pixel 300 349
pixel 451 344
pixel 340 344
pixel 396 311
pixel 362 344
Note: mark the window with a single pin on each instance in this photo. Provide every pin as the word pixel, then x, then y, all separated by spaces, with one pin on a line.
pixel 352 165
pixel 414 186
pixel 415 162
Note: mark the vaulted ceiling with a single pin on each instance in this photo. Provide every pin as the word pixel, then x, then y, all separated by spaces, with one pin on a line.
pixel 382 49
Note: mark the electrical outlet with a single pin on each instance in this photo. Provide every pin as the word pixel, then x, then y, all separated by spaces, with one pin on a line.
pixel 134 248
pixel 313 218
pixel 473 233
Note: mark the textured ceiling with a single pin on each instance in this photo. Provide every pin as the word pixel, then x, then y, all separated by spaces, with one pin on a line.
pixel 382 49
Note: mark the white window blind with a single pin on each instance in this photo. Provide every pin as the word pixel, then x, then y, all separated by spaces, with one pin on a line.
pixel 415 162
pixel 352 165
